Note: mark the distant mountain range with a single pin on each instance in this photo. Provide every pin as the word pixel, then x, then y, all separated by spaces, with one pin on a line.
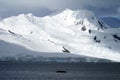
pixel 111 21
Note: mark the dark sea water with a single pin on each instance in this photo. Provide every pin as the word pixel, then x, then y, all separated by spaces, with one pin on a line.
pixel 47 71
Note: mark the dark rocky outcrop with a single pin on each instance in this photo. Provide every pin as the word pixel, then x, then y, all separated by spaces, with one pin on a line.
pixel 90 31
pixel 65 50
pixel 96 40
pixel 11 32
pixel 83 28
pixel 116 37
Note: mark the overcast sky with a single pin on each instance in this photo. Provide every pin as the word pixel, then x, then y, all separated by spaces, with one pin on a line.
pixel 45 7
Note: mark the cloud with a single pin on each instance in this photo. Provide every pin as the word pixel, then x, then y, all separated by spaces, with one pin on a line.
pixel 60 4
pixel 100 7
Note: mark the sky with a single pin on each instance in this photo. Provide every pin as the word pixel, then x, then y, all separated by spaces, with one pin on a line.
pixel 45 7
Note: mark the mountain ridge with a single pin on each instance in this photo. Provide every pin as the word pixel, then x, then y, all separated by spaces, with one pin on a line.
pixel 77 32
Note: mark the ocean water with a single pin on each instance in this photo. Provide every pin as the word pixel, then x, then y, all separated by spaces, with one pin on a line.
pixel 59 71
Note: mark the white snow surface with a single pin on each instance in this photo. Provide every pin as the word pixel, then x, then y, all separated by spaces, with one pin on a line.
pixel 65 29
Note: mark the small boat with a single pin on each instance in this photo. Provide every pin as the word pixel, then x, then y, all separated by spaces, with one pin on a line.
pixel 61 71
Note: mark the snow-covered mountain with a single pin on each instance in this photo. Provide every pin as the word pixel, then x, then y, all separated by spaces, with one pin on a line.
pixel 74 32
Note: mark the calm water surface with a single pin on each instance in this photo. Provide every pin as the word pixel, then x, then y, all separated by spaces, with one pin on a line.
pixel 47 71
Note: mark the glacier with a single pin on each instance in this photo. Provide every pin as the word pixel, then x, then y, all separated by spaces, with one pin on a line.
pixel 68 33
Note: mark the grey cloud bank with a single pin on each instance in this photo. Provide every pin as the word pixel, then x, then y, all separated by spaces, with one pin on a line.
pixel 45 7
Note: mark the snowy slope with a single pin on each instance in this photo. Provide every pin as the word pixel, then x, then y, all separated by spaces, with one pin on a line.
pixel 76 32
pixel 18 53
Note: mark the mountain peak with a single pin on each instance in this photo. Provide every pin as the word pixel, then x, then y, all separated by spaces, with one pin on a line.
pixel 67 11
pixel 70 17
pixel 78 13
pixel 29 14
